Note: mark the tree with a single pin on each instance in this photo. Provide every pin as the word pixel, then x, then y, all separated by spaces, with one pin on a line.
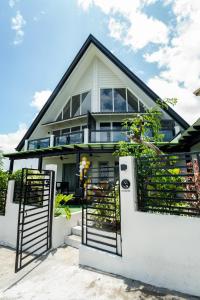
pixel 138 129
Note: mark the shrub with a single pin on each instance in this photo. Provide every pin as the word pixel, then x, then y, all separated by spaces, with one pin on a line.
pixel 60 209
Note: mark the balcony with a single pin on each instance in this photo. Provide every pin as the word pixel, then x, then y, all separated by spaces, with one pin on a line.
pixel 107 136
pixel 70 138
pixel 79 137
pixel 38 143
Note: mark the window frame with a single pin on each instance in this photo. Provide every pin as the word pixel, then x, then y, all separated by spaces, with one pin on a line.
pixel 70 99
pixel 113 100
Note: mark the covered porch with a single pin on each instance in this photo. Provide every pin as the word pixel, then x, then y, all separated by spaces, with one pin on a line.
pixel 67 159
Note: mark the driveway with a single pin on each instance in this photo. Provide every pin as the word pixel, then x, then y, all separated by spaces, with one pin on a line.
pixel 58 276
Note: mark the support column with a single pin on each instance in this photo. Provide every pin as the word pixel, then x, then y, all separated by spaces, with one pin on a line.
pixel 128 198
pixel 77 192
pixel 40 160
pixel 86 136
pixel 11 166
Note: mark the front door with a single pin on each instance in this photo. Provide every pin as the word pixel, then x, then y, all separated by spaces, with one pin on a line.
pixel 69 175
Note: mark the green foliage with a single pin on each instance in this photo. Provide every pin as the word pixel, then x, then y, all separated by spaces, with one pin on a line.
pixel 101 220
pixel 4 176
pixel 138 127
pixel 60 208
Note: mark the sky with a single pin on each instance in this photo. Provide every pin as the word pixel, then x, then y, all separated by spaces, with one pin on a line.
pixel 158 40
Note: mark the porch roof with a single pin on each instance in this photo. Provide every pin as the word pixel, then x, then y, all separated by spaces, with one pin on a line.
pixel 72 149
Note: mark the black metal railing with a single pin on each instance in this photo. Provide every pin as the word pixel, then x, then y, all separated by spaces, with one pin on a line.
pixel 107 136
pixel 3 195
pixel 101 211
pixel 70 138
pixel 39 143
pixel 169 184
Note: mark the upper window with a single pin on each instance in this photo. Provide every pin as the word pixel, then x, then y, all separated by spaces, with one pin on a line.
pixel 77 105
pixel 119 100
pixel 86 103
pixel 106 100
pixel 132 102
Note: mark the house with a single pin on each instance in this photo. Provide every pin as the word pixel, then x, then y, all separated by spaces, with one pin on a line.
pixel 83 115
pixel 190 138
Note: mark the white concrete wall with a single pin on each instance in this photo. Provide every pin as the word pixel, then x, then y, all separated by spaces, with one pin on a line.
pixel 162 250
pixel 63 227
pixel 8 223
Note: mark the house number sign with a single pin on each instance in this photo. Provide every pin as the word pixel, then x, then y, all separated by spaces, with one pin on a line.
pixel 125 184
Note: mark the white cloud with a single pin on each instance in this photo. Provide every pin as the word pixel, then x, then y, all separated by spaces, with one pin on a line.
pixel 17 24
pixel 40 98
pixel 177 54
pixel 179 61
pixel 9 141
pixel 136 29
pixel 188 104
pixel 12 3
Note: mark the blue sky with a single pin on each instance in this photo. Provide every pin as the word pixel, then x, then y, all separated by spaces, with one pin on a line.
pixel 39 39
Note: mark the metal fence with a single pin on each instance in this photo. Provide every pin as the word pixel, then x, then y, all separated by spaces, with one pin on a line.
pixel 3 195
pixel 169 184
pixel 101 211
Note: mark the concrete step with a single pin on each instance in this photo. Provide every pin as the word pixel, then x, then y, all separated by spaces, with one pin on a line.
pixel 73 240
pixel 77 230
pixel 80 222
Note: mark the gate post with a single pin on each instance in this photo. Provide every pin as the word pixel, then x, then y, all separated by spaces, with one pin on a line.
pixel 52 167
pixel 128 197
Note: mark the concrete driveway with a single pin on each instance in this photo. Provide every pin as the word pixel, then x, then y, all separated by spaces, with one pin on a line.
pixel 58 276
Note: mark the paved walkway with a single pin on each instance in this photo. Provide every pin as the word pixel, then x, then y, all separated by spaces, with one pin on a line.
pixel 59 277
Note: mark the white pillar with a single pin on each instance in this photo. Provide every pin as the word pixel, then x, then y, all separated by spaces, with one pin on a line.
pixel 128 197
pixel 51 140
pixel 86 135
pixel 10 192
pixel 25 145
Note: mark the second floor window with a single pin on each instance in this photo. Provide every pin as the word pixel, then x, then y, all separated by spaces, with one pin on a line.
pixel 119 100
pixel 77 105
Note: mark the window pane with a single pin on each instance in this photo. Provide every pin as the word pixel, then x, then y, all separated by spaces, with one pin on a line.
pixel 56 132
pixel 65 131
pixel 76 106
pixel 132 102
pixel 86 103
pixel 117 125
pixel 105 126
pixel 142 108
pixel 77 128
pixel 105 132
pixel 66 110
pixel 119 134
pixel 120 100
pixel 168 135
pixel 106 100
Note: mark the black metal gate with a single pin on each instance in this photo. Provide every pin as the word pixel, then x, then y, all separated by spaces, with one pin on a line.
pixel 101 228
pixel 34 232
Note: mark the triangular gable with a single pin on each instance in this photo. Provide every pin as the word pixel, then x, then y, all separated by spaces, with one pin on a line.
pixel 92 40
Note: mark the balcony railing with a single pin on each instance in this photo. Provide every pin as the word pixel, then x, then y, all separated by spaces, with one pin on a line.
pixel 79 137
pixel 107 136
pixel 38 143
pixel 70 138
